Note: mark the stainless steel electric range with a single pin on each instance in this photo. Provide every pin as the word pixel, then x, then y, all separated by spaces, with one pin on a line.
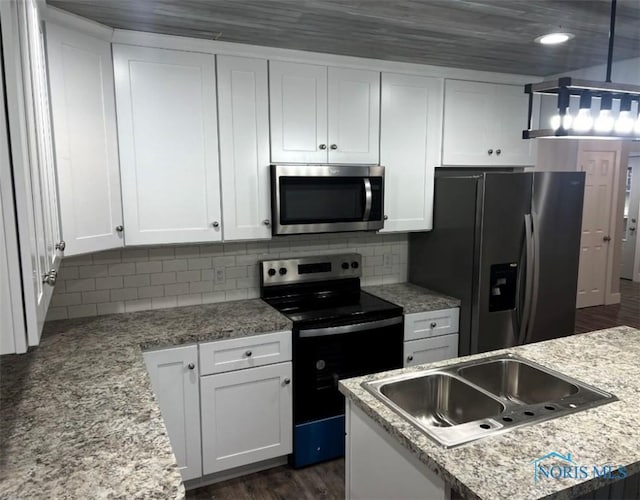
pixel 339 331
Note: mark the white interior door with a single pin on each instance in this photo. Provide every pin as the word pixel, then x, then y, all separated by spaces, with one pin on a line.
pixel 298 99
pixel 168 139
pixel 596 219
pixel 410 149
pixel 243 113
pixel 354 116
pixel 632 216
pixel 84 119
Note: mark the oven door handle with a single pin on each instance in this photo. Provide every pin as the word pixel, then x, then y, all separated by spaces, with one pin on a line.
pixel 358 327
pixel 368 199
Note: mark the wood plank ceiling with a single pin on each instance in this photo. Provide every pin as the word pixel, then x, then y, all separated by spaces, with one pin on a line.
pixel 491 35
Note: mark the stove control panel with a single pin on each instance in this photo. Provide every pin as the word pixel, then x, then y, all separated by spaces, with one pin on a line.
pixel 304 269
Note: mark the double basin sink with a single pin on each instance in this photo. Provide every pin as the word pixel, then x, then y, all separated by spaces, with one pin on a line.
pixel 467 401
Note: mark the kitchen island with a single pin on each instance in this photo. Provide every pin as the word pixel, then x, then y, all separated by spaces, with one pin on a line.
pixel 502 466
pixel 78 417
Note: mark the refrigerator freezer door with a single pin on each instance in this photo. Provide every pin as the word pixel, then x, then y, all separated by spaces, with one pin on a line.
pixel 506 201
pixel 557 220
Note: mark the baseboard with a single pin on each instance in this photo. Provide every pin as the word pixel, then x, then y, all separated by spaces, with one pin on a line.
pixel 233 473
pixel 612 298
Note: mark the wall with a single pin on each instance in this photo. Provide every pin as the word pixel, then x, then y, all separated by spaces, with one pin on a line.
pixel 139 278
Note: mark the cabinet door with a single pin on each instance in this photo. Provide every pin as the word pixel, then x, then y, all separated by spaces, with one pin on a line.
pixel 175 385
pixel 168 138
pixel 430 350
pixel 298 98
pixel 511 108
pixel 410 149
pixel 243 100
pixel 469 123
pixel 354 116
pixel 246 416
pixel 84 120
pixel 12 329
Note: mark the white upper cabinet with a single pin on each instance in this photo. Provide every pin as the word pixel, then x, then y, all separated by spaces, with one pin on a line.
pixel 84 120
pixel 411 118
pixel 243 114
pixel 298 95
pixel 354 115
pixel 483 125
pixel 168 139
pixel 323 115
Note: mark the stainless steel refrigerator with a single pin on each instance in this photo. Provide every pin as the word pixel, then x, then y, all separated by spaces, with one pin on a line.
pixel 507 245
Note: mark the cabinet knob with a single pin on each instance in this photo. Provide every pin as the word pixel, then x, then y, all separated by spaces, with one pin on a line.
pixel 433 324
pixel 334 146
pixel 120 228
pixel 386 217
pixel 215 223
pixel 490 152
pixel 191 366
pixel 248 354
pixel 61 246
pixel 266 222
pixel 498 151
pixel 287 381
pixel 606 238
pixel 410 358
pixel 323 146
pixel 50 278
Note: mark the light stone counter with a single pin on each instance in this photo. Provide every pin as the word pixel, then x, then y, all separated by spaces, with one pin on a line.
pixel 78 418
pixel 413 298
pixel 501 466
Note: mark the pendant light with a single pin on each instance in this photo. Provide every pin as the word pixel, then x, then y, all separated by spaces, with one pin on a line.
pixel 625 124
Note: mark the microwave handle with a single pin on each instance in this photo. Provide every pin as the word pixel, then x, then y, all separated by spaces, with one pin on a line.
pixel 367 198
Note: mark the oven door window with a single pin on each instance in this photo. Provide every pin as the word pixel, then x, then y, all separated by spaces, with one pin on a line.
pixel 309 200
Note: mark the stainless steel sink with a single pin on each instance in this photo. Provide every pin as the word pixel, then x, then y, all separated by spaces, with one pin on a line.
pixel 474 399
pixel 440 400
pixel 518 381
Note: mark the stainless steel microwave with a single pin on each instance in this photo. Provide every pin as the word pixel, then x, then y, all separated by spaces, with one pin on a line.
pixel 326 198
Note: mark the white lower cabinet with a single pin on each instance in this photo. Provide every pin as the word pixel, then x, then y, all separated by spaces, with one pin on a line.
pixel 378 467
pixel 174 379
pixel 430 336
pixel 246 416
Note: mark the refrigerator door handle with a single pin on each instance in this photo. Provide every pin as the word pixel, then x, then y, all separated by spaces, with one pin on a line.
pixel 535 282
pixel 526 307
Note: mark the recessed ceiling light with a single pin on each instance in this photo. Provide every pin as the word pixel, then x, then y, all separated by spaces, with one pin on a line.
pixel 554 38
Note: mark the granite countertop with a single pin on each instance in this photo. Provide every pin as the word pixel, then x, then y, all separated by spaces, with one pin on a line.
pixel 412 298
pixel 500 466
pixel 78 418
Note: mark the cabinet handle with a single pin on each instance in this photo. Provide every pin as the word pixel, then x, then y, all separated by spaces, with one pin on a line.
pixel 266 222
pixel 433 324
pixel 606 238
pixel 498 151
pixel 323 146
pixel 215 223
pixel 191 366
pixel 490 152
pixel 248 354
pixel 386 217
pixel 410 358
pixel 61 246
pixel 50 278
pixel 334 146
pixel 287 381
pixel 119 228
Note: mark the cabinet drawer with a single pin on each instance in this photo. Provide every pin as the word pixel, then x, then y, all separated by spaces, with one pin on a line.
pixel 418 352
pixel 430 324
pixel 246 352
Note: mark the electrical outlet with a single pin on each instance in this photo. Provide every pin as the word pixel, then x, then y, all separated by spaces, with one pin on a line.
pixel 388 260
pixel 220 276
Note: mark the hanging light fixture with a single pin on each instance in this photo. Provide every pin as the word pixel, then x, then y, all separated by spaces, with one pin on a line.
pixel 605 124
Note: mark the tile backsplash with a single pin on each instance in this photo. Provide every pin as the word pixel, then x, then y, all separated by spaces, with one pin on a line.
pixel 140 278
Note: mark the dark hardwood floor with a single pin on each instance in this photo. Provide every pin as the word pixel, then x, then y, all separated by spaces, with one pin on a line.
pixel 625 313
pixel 326 481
